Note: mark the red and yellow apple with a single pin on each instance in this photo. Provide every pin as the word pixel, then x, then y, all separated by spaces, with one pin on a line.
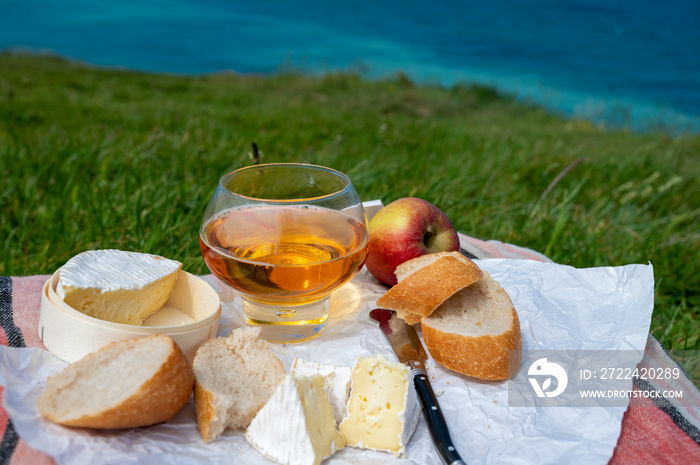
pixel 407 228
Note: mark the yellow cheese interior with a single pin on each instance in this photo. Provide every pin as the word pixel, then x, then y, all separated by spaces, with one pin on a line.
pixel 122 306
pixel 319 417
pixel 376 404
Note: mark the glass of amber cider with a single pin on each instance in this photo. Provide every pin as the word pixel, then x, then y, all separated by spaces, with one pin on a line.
pixel 285 236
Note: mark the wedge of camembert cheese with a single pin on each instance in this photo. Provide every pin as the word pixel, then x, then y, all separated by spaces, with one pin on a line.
pixel 296 426
pixel 118 286
pixel 336 381
pixel 383 409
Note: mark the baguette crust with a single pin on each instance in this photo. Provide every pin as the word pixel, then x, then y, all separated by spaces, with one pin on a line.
pixel 486 357
pixel 419 293
pixel 476 332
pixel 206 413
pixel 156 400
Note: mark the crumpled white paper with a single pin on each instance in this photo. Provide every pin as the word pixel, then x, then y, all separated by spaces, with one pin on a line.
pixel 560 308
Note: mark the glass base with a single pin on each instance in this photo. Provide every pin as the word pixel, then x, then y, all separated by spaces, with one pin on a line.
pixel 283 323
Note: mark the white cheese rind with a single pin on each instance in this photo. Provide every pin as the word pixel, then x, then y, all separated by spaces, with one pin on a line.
pixel 336 381
pixel 296 426
pixel 373 419
pixel 114 285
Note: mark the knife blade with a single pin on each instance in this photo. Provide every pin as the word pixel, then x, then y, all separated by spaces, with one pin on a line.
pixel 409 350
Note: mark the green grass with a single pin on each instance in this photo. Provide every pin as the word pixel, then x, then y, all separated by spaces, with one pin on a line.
pixel 98 158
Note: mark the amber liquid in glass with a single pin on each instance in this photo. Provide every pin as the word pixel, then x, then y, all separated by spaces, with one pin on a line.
pixel 284 255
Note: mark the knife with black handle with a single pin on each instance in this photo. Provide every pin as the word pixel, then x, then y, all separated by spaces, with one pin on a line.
pixel 409 350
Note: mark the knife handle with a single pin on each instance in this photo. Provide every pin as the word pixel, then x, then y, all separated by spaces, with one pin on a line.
pixel 433 416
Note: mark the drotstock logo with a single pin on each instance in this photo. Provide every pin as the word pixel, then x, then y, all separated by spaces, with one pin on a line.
pixel 547 370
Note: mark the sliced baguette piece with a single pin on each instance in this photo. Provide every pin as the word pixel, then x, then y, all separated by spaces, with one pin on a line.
pixel 427 281
pixel 126 384
pixel 474 330
pixel 234 377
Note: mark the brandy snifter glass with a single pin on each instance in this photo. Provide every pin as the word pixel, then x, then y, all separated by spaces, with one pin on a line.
pixel 285 236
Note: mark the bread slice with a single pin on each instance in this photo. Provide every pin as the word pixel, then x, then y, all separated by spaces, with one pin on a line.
pixel 126 384
pixel 474 331
pixel 234 377
pixel 427 281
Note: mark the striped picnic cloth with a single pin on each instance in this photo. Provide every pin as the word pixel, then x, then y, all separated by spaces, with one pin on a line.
pixel 655 429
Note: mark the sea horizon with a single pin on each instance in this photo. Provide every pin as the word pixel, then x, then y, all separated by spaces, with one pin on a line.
pixel 616 64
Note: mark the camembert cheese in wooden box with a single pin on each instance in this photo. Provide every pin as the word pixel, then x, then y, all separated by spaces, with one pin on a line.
pixel 104 296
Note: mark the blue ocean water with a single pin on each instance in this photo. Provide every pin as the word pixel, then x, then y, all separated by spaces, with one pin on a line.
pixel 631 63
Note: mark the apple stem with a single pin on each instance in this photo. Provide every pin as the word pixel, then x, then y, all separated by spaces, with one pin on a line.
pixel 428 234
